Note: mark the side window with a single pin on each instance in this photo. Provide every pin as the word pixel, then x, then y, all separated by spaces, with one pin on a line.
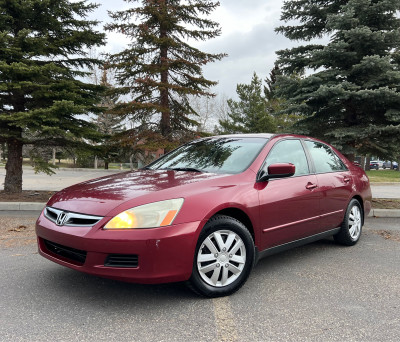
pixel 325 160
pixel 289 151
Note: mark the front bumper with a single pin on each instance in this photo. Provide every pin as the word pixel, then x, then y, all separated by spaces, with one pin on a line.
pixel 164 254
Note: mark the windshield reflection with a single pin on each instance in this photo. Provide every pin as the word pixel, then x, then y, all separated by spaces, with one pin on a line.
pixel 216 155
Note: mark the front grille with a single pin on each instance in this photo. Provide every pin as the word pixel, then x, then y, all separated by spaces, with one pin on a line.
pixel 71 254
pixel 122 260
pixel 66 218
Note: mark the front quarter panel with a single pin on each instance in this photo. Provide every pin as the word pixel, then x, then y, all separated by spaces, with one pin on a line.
pixel 239 193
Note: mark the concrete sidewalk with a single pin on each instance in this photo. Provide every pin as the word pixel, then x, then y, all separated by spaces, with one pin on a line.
pixel 62 179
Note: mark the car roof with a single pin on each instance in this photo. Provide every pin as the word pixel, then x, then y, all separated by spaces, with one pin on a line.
pixel 262 135
pixel 250 135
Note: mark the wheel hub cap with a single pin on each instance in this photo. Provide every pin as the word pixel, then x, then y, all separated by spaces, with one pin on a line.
pixel 221 258
pixel 355 222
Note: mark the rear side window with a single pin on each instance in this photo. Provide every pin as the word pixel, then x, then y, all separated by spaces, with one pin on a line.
pixel 325 160
pixel 289 151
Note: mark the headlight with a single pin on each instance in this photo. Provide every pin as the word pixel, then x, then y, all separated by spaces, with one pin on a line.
pixel 157 214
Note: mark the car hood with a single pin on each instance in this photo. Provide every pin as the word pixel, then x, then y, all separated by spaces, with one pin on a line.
pixel 101 195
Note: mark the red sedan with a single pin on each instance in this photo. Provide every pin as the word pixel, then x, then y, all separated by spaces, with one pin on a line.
pixel 207 211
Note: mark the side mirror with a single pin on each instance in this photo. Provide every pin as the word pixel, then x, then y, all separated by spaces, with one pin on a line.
pixel 279 170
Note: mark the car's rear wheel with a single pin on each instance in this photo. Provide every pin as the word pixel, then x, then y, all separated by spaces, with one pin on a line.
pixel 223 259
pixel 351 227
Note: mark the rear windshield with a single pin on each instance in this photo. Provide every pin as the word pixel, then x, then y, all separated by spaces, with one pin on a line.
pixel 216 155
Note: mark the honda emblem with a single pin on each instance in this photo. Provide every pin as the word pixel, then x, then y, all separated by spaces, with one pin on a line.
pixel 61 218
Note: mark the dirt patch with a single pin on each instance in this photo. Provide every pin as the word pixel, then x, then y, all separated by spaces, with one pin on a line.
pixel 17 231
pixel 26 196
pixel 385 203
pixel 388 235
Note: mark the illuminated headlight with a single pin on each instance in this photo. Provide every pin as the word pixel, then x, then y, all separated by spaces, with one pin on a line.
pixel 152 215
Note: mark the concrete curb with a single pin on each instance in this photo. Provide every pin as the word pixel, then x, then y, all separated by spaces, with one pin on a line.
pixel 23 206
pixel 38 206
pixel 384 213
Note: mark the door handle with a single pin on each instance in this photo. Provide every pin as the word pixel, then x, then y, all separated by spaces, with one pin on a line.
pixel 311 186
pixel 347 179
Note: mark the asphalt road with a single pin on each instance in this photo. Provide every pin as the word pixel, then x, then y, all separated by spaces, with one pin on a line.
pixel 319 292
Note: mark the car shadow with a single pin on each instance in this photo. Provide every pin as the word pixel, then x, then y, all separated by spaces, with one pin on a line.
pixel 292 255
pixel 95 291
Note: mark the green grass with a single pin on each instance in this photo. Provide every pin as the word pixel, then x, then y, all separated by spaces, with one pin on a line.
pixel 380 176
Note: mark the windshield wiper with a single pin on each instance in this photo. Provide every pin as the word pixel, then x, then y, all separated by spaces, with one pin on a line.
pixel 192 169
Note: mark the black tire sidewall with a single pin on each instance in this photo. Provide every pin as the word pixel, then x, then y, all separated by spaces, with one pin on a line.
pixel 215 224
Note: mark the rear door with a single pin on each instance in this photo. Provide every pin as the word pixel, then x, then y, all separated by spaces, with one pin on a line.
pixel 289 207
pixel 335 183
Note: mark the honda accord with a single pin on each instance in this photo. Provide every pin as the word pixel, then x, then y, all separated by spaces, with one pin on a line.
pixel 207 211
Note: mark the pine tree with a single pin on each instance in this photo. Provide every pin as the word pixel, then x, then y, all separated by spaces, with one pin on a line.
pixel 159 69
pixel 41 59
pixel 276 105
pixel 250 113
pixel 269 88
pixel 352 98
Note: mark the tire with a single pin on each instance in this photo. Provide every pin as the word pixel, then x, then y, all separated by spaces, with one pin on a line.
pixel 351 227
pixel 223 259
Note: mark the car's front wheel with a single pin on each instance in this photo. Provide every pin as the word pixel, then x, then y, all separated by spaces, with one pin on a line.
pixel 223 259
pixel 351 227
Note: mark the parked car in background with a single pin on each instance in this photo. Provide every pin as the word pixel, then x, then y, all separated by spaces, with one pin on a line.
pixel 374 165
pixel 390 165
pixel 207 211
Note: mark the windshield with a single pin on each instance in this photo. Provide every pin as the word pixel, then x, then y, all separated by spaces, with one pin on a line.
pixel 217 155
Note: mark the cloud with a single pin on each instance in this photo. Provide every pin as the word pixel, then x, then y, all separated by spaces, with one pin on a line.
pixel 249 51
pixel 248 37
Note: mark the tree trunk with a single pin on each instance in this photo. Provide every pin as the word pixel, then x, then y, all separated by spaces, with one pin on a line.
pixel 164 100
pixel 105 165
pixel 367 162
pixel 362 162
pixel 165 114
pixel 54 156
pixel 95 162
pixel 13 179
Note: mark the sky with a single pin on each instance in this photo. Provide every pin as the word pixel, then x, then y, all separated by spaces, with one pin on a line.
pixel 248 37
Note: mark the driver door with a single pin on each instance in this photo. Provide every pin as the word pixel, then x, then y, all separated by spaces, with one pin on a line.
pixel 289 207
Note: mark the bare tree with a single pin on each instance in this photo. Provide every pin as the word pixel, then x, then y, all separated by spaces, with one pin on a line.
pixel 209 111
